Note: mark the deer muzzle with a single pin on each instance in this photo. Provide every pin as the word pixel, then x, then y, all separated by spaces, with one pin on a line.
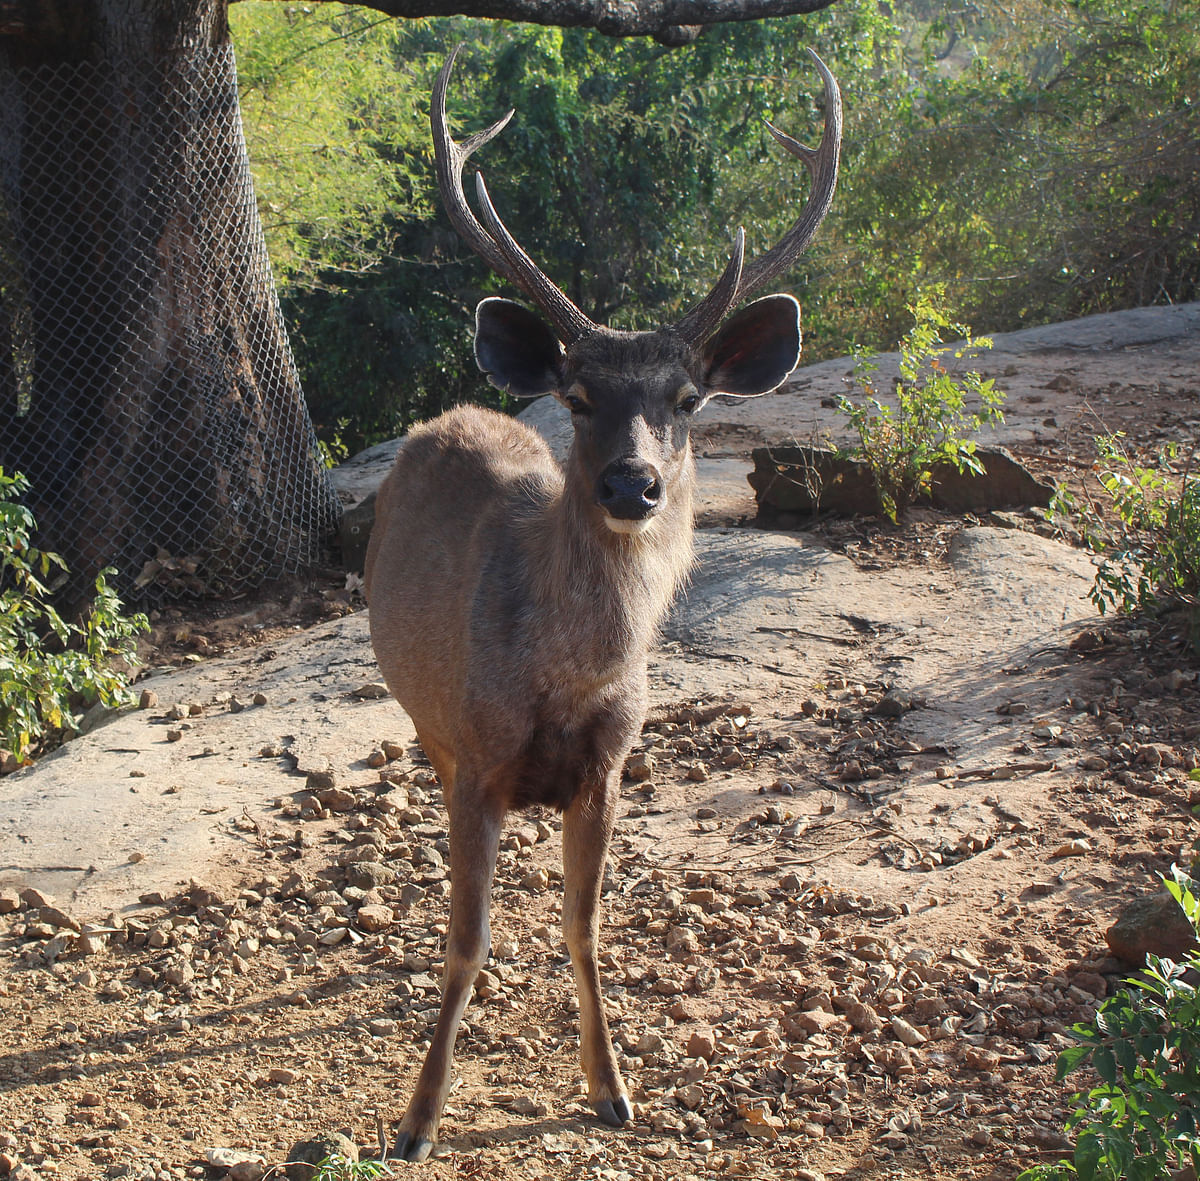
pixel 630 493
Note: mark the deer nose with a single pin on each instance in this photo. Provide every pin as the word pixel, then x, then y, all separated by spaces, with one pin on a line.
pixel 629 490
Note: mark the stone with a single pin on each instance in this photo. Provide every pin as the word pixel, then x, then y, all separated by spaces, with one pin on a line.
pixel 370 875
pixel 1152 924
pixel 336 799
pixel 372 918
pixel 304 1156
pixel 803 479
pixel 10 900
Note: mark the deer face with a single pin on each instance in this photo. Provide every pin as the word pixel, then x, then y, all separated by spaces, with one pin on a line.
pixel 634 395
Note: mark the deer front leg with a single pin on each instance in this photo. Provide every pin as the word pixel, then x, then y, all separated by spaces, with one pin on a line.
pixel 587 824
pixel 475 826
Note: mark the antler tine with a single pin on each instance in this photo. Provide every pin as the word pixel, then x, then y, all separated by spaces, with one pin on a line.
pixel 562 313
pixel 495 245
pixel 449 159
pixel 822 165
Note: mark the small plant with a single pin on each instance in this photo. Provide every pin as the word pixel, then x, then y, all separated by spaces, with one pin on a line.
pixel 1142 1121
pixel 335 450
pixel 928 425
pixel 336 1167
pixel 48 665
pixel 1150 554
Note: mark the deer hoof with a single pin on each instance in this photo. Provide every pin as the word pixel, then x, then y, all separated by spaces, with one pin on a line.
pixel 410 1147
pixel 614 1112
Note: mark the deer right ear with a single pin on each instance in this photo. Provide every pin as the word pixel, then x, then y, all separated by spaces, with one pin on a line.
pixel 517 350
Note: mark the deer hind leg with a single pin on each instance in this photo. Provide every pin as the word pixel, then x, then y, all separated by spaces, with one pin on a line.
pixel 475 824
pixel 587 824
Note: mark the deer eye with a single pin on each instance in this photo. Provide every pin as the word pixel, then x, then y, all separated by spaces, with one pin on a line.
pixel 688 405
pixel 576 405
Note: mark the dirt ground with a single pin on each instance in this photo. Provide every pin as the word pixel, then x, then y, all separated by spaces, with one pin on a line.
pixel 856 899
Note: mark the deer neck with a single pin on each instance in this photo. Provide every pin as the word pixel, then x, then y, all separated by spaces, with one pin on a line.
pixel 613 589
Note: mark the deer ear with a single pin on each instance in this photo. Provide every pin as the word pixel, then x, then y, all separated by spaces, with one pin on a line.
pixel 755 349
pixel 517 350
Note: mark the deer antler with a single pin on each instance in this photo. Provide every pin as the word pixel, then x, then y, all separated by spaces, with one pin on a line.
pixel 740 280
pixel 495 245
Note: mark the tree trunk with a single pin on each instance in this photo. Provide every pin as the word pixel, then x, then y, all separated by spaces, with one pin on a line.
pixel 155 408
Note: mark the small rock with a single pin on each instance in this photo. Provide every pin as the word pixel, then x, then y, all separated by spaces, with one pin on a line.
pixel 260 699
pixel 1153 924
pixel 374 918
pixel 535 881
pixel 148 699
pixel 861 1016
pixel 174 735
pixel 376 759
pixel 304 1156
pixel 179 971
pixel 370 875
pixel 336 799
pixel 371 691
pixel 320 780
pixel 58 918
pixel 893 704
pixel 978 1058
pixel 813 1021
pixel 10 900
pixel 640 767
pixel 281 1075
pixel 1073 848
pixel 906 1033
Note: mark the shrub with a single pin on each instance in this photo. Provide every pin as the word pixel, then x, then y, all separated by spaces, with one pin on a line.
pixel 1150 553
pixel 902 444
pixel 1142 1121
pixel 49 666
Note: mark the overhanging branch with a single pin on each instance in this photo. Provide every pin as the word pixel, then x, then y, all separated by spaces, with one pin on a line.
pixel 674 22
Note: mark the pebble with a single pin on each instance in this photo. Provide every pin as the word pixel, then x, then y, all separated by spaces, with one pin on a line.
pixel 702 1043
pixel 371 691
pixel 372 918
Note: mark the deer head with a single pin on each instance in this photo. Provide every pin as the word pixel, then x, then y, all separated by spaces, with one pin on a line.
pixel 633 395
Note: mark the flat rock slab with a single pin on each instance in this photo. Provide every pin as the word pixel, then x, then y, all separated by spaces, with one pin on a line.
pixel 123 811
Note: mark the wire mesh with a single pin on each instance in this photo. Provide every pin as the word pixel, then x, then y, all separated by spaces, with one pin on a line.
pixel 147 387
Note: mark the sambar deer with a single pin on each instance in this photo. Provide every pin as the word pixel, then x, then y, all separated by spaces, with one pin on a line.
pixel 513 602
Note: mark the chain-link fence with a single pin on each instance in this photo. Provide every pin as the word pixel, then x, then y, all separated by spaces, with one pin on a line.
pixel 147 388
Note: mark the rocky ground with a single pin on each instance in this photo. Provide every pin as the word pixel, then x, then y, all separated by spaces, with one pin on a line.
pixel 895 787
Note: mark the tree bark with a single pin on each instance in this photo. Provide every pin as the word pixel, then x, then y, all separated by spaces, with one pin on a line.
pixel 161 425
pixel 147 388
pixel 671 21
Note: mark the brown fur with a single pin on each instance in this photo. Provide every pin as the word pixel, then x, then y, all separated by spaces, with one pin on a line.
pixel 513 625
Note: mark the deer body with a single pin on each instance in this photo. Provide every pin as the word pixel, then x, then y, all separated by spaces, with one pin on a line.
pixel 524 598
pixel 513 602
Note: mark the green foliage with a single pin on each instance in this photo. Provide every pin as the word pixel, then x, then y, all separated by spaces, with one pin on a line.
pixel 1037 160
pixel 1149 541
pixel 928 423
pixel 336 1167
pixel 1142 1121
pixel 48 665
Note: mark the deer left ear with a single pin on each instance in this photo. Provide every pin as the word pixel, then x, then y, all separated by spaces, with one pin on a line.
pixel 755 349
